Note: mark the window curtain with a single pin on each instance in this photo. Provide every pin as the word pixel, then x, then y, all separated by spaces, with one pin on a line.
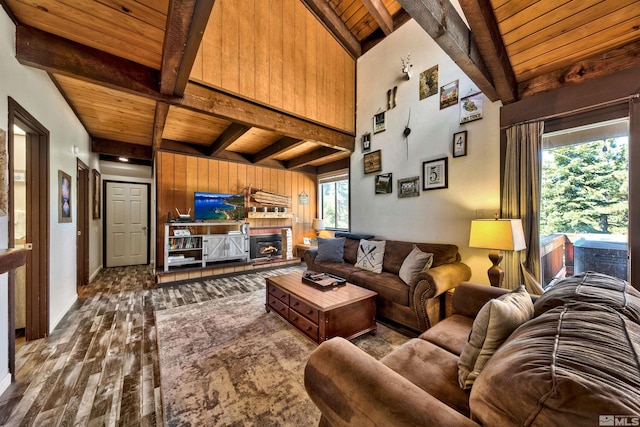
pixel 521 199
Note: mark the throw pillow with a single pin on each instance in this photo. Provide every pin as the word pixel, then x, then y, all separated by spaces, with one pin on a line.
pixel 495 321
pixel 330 250
pixel 414 263
pixel 370 255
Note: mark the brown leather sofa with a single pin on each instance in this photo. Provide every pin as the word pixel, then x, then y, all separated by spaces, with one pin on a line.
pixel 574 363
pixel 418 305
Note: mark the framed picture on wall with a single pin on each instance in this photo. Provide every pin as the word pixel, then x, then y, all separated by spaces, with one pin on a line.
pixel 409 187
pixel 378 123
pixel 471 107
pixel 434 174
pixel 449 94
pixel 64 197
pixel 96 194
pixel 384 184
pixel 460 144
pixel 373 162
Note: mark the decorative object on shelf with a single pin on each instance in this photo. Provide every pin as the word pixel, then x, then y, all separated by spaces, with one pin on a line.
pixel 378 122
pixel 318 225
pixel 471 107
pixel 409 187
pixel 303 199
pixel 434 174
pixel 266 198
pixel 96 194
pixel 373 162
pixel 384 183
pixel 429 82
pixel 64 197
pixel 366 142
pixel 460 144
pixel 449 94
pixel 406 67
pixel 497 235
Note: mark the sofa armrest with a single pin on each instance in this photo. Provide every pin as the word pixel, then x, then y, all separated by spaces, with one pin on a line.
pixel 309 257
pixel 352 388
pixel 436 281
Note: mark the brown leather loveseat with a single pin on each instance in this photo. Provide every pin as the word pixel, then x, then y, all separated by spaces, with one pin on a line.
pixel 574 363
pixel 417 305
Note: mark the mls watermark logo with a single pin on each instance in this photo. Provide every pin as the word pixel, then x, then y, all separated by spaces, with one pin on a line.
pixel 619 420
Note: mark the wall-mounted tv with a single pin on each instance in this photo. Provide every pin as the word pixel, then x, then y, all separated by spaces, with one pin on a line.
pixel 218 207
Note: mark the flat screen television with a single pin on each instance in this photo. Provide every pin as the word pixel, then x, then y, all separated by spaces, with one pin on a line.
pixel 218 207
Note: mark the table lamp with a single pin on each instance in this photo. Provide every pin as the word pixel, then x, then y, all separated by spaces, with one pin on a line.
pixel 318 225
pixel 497 235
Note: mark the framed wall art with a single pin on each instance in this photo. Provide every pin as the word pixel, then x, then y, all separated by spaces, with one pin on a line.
pixel 409 187
pixel 434 174
pixel 449 94
pixel 471 107
pixel 373 162
pixel 460 144
pixel 379 123
pixel 429 82
pixel 96 194
pixel 64 197
pixel 383 183
pixel 366 142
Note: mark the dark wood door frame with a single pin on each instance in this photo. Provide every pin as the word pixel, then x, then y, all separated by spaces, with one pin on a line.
pixel 82 238
pixel 37 226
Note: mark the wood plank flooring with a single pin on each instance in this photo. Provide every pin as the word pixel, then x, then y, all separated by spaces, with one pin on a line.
pixel 99 367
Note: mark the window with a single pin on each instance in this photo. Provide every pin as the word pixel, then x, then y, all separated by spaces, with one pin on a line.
pixel 334 199
pixel 584 209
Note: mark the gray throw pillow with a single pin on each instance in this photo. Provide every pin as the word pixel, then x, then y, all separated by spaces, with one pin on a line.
pixel 414 263
pixel 330 250
pixel 495 321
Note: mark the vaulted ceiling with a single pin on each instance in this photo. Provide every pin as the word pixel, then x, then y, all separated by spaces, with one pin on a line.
pixel 124 66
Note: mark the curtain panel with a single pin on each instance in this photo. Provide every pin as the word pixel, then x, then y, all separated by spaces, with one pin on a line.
pixel 521 199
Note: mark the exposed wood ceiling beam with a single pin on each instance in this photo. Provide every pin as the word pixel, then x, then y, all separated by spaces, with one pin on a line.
pixel 399 19
pixel 160 119
pixel 309 157
pixel 278 147
pixel 121 149
pixel 380 14
pixel 186 22
pixel 58 55
pixel 220 104
pixel 479 14
pixel 441 21
pixel 328 16
pixel 226 138
pixel 595 66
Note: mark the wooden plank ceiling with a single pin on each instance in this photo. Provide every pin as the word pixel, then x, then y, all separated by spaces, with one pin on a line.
pixel 123 65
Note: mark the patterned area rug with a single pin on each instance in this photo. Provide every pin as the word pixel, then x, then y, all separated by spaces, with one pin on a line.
pixel 227 362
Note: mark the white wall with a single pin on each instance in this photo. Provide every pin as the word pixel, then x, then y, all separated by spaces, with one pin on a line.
pixel 436 216
pixel 34 90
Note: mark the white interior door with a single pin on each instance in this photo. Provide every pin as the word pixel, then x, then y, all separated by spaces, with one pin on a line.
pixel 127 224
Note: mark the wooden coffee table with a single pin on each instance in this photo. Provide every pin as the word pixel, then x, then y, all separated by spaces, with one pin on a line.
pixel 320 314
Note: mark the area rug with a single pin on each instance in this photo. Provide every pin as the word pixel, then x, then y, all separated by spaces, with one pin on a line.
pixel 227 362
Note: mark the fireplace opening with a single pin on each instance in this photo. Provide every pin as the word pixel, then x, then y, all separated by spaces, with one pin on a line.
pixel 265 245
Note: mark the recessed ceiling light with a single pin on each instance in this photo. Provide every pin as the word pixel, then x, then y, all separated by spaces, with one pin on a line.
pixel 123 159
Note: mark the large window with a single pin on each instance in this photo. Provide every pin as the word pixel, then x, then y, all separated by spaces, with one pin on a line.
pixel 334 199
pixel 584 209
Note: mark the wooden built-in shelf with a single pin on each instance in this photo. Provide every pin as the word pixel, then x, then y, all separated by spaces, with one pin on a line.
pixel 270 214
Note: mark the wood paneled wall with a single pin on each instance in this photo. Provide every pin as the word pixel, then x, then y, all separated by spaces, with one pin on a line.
pixel 179 176
pixel 277 53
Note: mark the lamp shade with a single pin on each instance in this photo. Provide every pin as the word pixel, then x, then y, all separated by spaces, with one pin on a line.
pixel 317 224
pixel 499 234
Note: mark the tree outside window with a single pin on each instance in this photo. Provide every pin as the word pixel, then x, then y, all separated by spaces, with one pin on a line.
pixel 335 204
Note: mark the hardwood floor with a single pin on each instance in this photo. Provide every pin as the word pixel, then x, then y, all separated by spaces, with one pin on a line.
pixel 100 365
